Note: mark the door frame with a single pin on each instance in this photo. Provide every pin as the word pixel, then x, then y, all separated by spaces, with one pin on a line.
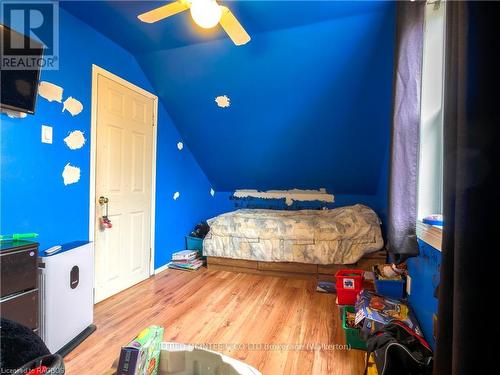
pixel 96 71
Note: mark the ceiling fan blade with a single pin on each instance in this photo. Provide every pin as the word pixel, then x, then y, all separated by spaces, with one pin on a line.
pixel 233 28
pixel 164 11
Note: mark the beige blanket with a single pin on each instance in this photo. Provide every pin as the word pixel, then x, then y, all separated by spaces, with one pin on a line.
pixel 339 236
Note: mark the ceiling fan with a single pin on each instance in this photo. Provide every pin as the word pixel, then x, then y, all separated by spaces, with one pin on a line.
pixel 205 13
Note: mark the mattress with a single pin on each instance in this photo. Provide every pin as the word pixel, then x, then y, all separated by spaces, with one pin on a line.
pixel 338 236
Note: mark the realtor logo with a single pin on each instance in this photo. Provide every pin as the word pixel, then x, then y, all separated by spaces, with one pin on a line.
pixel 34 25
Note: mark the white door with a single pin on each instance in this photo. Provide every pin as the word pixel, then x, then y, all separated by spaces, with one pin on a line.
pixel 124 160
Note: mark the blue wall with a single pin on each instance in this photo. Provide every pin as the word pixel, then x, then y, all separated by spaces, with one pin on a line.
pixel 224 201
pixel 33 196
pixel 424 272
pixel 310 105
pixel 310 94
pixel 303 114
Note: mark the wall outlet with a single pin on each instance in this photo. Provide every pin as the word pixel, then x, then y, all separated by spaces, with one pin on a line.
pixel 46 134
pixel 408 284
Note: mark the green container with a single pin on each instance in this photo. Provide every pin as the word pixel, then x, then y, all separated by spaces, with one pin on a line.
pixel 341 310
pixel 352 336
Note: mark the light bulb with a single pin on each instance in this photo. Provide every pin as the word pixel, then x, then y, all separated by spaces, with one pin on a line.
pixel 206 13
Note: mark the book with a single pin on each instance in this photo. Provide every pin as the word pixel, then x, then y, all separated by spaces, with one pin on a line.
pixel 187 261
pixel 142 354
pixel 185 255
pixel 191 266
pixel 326 287
pixel 194 265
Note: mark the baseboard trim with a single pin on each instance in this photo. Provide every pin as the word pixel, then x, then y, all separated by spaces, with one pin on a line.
pixel 161 269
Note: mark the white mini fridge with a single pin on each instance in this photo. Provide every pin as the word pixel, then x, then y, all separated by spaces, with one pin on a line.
pixel 66 281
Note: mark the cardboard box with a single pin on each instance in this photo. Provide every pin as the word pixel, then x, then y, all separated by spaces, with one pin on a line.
pixel 142 355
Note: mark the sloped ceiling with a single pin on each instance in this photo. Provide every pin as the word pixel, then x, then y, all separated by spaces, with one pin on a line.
pixel 310 94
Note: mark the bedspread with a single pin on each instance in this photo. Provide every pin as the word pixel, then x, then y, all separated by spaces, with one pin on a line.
pixel 337 236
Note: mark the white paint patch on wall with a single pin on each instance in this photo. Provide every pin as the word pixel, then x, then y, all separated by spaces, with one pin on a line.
pixel 73 106
pixel 180 146
pixel 71 174
pixel 75 140
pixel 212 192
pixel 176 195
pixel 289 195
pixel 223 101
pixel 51 92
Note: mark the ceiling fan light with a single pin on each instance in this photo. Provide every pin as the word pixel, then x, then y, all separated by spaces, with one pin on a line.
pixel 206 13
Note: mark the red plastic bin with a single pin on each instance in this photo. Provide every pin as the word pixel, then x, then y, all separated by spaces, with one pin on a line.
pixel 349 283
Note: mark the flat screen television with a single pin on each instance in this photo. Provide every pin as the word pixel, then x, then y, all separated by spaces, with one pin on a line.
pixel 19 87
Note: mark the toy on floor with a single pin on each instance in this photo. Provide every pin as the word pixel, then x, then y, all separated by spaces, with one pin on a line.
pixel 374 311
pixel 390 271
pixel 142 355
pixel 351 319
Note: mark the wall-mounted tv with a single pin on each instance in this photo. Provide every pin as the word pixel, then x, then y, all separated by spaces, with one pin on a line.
pixel 19 74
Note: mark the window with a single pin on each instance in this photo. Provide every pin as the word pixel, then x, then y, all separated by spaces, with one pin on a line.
pixel 430 180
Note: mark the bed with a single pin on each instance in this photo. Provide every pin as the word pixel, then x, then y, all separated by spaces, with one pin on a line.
pixel 257 238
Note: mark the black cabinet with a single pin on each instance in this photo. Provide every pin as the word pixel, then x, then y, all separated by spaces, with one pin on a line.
pixel 19 282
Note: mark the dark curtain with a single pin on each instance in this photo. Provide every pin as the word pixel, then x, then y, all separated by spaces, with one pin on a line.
pixel 402 210
pixel 468 328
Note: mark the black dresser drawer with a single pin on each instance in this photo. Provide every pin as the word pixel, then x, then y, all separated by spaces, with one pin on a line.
pixel 18 266
pixel 21 308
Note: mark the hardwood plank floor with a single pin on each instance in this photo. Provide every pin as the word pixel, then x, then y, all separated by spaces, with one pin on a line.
pixel 238 313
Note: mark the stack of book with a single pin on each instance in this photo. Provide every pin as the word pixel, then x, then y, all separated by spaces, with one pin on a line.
pixel 188 260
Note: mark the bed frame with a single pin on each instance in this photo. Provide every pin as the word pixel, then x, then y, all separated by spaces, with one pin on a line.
pixel 292 269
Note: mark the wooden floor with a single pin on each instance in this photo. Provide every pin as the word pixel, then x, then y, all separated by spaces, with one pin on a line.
pixel 240 313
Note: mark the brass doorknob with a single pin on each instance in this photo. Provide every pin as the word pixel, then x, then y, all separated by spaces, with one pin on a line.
pixel 103 200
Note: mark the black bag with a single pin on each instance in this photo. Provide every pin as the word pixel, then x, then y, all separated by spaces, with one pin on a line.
pixel 398 350
pixel 201 230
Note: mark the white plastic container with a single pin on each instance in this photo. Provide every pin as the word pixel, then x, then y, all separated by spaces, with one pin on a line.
pixel 180 359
